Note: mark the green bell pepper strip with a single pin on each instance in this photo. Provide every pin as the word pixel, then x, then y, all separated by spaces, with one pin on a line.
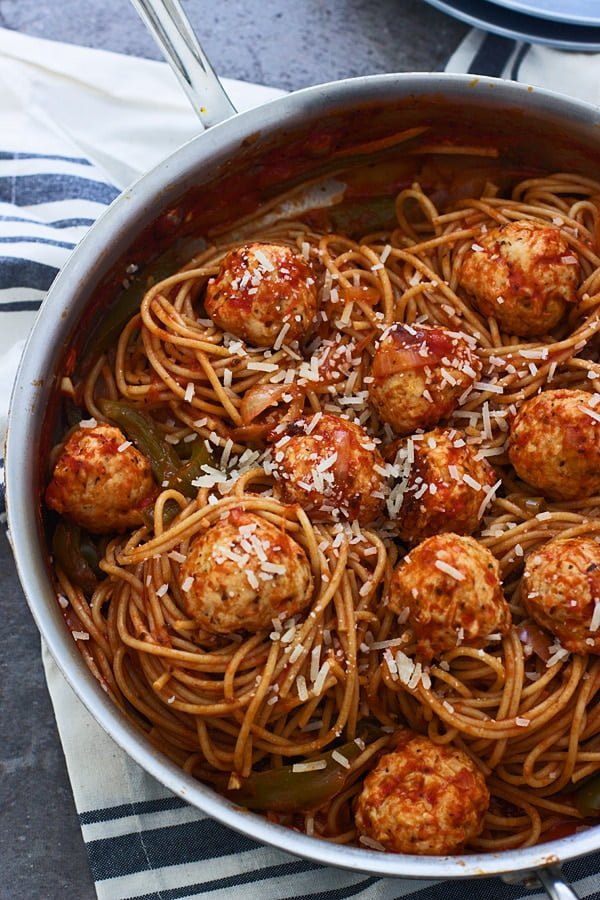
pixel 285 791
pixel 143 431
pixel 116 318
pixel 181 481
pixel 187 473
pixel 76 556
pixel 167 468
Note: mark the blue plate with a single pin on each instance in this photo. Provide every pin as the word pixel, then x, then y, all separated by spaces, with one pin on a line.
pixel 522 27
pixel 576 12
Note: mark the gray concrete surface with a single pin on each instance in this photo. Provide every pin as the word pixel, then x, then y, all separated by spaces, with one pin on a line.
pixel 276 42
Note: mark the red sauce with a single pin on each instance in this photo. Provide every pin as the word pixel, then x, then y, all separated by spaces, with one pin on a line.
pixel 405 348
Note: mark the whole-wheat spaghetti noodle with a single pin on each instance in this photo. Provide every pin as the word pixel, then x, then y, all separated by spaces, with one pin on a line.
pixel 224 707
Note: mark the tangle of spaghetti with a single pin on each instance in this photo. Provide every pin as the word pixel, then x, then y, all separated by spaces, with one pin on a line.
pixel 228 707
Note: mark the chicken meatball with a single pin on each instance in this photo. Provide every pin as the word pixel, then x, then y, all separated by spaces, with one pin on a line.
pixel 100 481
pixel 523 274
pixel 446 489
pixel 242 573
pixel 561 589
pixel 450 586
pixel 555 444
pixel 331 467
pixel 423 798
pixel 419 373
pixel 261 291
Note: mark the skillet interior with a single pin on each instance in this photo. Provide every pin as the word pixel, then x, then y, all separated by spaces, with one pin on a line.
pixel 209 183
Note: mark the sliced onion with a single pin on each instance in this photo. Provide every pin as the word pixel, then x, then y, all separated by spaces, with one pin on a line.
pixel 259 398
pixel 404 349
pixel 531 636
pixel 342 442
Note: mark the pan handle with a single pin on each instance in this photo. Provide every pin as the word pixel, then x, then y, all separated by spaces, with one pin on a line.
pixel 171 29
pixel 554 884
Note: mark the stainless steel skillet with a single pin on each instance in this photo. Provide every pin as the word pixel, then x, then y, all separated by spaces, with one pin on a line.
pixel 234 166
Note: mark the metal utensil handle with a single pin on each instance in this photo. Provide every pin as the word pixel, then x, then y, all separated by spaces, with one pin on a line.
pixel 171 29
pixel 555 885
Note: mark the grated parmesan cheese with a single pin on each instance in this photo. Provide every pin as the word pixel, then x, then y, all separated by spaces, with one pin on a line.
pixel 321 678
pixel 370 842
pixel 591 413
pixel 488 498
pixel 296 653
pixel 385 253
pixel 312 766
pixel 177 556
pixel 595 623
pixel 468 479
pixel 489 387
pixel 383 645
pixel 315 662
pixel 391 663
pixel 264 260
pixel 340 758
pixel 258 366
pixel 301 688
pixel 447 569
pixel 559 654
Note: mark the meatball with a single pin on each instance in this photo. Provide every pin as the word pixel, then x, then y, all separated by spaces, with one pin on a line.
pixel 261 289
pixel 450 586
pixel 100 481
pixel 555 444
pixel 561 589
pixel 419 373
pixel 523 274
pixel 446 489
pixel 331 467
pixel 423 798
pixel 242 573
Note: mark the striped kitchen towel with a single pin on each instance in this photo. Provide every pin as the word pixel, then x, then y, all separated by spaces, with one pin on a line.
pixel 577 74
pixel 58 170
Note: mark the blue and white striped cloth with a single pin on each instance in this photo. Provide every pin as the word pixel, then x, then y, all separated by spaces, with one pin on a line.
pixel 47 203
pixel 63 157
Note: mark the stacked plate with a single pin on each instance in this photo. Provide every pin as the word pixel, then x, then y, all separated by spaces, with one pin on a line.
pixel 567 24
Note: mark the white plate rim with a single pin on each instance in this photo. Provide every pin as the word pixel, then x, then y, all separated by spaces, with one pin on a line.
pixel 535 8
pixel 454 8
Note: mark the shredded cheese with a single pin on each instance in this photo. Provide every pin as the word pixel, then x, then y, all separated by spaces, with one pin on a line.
pixel 447 569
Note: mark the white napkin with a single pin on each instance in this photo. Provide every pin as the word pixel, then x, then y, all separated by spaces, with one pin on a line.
pixel 75 126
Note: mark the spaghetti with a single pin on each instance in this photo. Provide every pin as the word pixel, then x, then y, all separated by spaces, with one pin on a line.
pixel 323 690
